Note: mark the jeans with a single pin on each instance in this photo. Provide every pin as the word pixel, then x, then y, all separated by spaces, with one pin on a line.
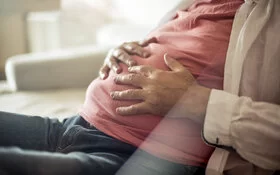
pixel 43 146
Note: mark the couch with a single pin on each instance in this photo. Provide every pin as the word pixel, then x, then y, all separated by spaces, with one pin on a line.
pixel 51 84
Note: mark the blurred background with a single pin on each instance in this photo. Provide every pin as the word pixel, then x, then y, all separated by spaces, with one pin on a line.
pixel 31 26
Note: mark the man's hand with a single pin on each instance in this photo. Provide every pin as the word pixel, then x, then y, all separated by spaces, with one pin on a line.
pixel 160 90
pixel 123 54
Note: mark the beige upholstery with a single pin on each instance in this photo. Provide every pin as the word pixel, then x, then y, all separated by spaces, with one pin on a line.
pixel 50 84
pixel 71 68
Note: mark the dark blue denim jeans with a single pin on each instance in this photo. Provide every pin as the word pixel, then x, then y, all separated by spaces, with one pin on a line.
pixel 43 146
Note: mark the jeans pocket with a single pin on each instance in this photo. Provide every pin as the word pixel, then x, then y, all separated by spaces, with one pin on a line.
pixel 68 138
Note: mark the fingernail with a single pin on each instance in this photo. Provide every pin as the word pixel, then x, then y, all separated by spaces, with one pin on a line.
pixel 118 110
pixel 167 57
pixel 115 69
pixel 102 76
pixel 118 71
pixel 116 79
pixel 112 94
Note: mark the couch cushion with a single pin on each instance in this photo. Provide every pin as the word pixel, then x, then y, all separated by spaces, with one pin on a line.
pixel 55 103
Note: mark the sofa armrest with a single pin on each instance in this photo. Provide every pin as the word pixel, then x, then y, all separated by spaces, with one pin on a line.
pixel 73 68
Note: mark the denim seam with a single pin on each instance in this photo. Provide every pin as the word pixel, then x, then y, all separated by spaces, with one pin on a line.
pixel 72 137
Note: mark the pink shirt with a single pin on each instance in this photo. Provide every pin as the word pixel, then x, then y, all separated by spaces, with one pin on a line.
pixel 198 38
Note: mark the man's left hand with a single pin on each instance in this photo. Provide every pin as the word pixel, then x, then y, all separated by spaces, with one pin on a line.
pixel 158 90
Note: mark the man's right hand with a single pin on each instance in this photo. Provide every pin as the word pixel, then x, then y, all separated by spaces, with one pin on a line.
pixel 123 54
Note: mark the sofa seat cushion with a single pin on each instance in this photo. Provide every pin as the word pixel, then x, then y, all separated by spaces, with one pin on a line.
pixel 54 103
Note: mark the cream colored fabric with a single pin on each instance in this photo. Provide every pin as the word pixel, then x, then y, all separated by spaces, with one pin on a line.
pixel 246 116
pixel 51 103
pixel 50 84
pixel 73 68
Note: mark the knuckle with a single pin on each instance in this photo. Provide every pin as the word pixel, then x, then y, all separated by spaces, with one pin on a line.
pixel 114 95
pixel 111 62
pixel 101 72
pixel 133 109
pixel 132 48
pixel 122 56
pixel 142 42
pixel 118 95
pixel 142 69
pixel 103 68
pixel 127 93
pixel 124 44
pixel 127 45
pixel 131 77
pixel 117 52
pixel 155 99
pixel 157 75
pixel 111 59
pixel 149 93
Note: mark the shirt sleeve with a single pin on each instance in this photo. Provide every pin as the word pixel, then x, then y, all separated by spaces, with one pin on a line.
pixel 251 128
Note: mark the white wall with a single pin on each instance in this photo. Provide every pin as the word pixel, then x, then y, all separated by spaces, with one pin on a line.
pixel 144 11
pixel 81 19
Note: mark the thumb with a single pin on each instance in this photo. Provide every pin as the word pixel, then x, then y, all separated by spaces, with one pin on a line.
pixel 173 64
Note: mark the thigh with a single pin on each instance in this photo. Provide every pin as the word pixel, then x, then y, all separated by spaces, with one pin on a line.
pixel 28 132
pixel 79 136
pixel 18 161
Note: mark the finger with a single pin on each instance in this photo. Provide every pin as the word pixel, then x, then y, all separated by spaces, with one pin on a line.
pixel 143 70
pixel 147 41
pixel 124 57
pixel 137 109
pixel 112 63
pixel 133 48
pixel 131 79
pixel 173 64
pixel 104 72
pixel 131 94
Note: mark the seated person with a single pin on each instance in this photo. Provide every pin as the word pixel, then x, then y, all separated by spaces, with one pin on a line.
pixel 101 139
pixel 198 38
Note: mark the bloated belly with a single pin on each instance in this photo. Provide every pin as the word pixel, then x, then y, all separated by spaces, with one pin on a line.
pixel 180 134
pixel 99 95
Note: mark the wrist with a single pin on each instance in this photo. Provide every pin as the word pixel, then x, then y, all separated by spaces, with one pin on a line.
pixel 198 97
